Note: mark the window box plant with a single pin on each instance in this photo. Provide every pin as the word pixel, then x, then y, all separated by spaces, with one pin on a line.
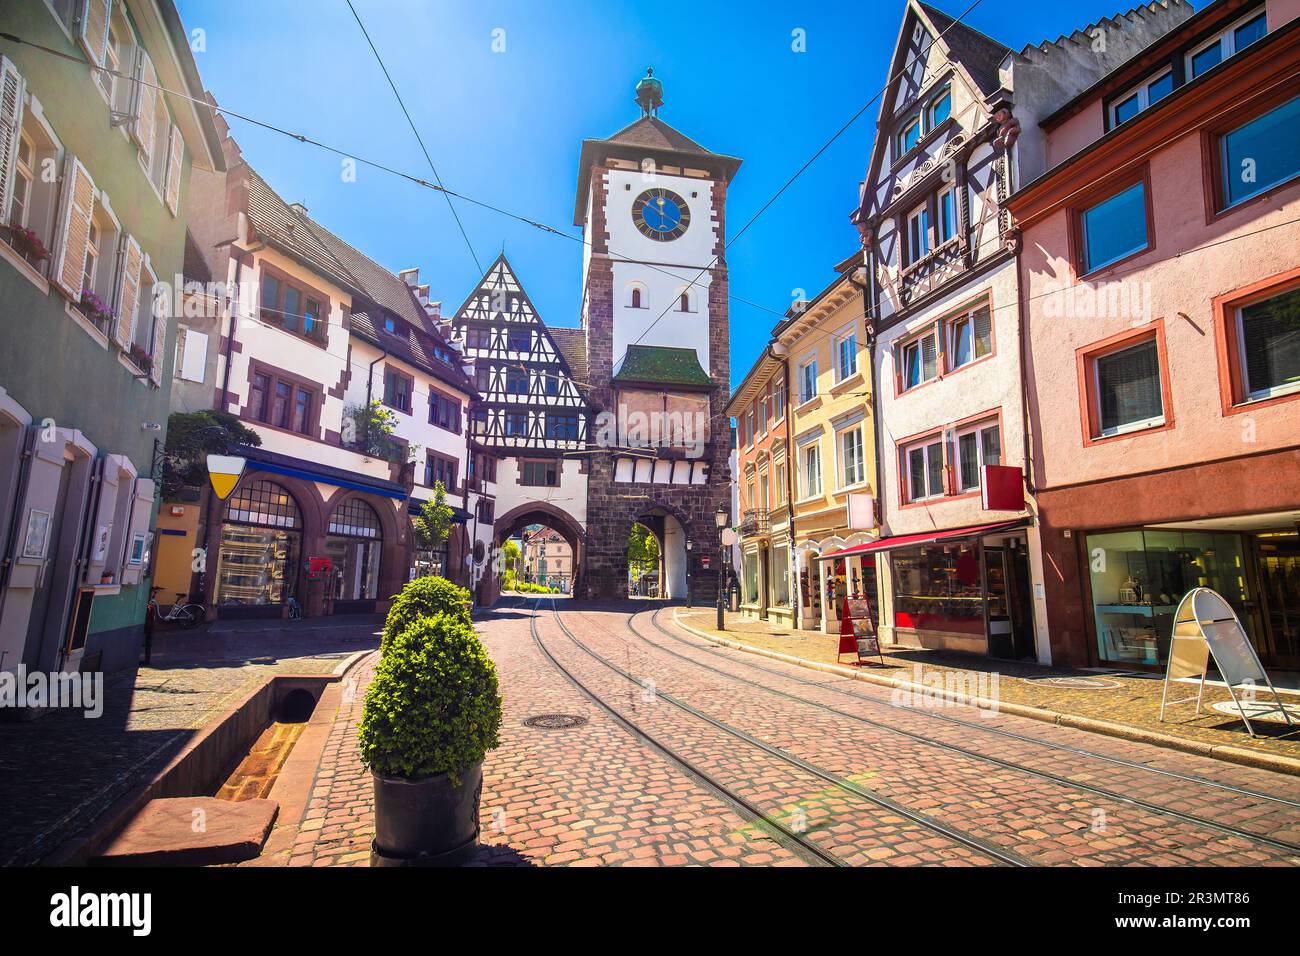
pixel 431 714
pixel 95 309
pixel 140 358
pixel 27 243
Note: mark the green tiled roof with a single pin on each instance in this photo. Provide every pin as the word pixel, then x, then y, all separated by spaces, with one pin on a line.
pixel 660 365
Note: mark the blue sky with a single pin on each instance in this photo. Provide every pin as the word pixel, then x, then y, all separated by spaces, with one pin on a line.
pixel 506 127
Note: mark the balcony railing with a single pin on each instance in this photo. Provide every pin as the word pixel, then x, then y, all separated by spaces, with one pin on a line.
pixel 755 521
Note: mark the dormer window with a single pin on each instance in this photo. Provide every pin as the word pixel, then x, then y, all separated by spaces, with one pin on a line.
pixel 389 325
pixel 1234 39
pixel 1136 100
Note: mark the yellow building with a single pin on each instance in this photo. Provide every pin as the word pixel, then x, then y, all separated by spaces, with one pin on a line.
pixel 824 345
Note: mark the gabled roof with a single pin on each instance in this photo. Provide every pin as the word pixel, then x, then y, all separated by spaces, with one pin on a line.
pixel 980 54
pixel 662 365
pixel 279 224
pixel 647 138
pixel 572 344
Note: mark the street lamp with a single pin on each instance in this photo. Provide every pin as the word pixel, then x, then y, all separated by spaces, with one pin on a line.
pixel 720 519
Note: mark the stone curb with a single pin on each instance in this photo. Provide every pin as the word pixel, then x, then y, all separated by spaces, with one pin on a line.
pixel 1225 752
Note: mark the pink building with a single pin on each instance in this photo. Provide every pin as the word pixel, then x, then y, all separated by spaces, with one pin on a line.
pixel 1159 271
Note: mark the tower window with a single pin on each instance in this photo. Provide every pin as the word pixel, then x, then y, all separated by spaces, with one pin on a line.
pixel 635 298
pixel 684 302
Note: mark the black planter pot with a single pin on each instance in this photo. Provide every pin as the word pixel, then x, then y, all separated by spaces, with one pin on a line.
pixel 426 822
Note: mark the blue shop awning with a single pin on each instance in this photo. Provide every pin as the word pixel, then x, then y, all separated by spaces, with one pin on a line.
pixel 277 464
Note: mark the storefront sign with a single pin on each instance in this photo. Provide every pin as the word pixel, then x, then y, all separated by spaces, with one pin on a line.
pixel 224 472
pixel 318 568
pixel 1003 488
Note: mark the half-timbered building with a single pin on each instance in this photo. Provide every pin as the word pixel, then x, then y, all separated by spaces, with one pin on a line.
pixel 957 130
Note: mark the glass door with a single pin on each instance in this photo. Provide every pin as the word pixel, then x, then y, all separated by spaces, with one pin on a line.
pixel 1277 563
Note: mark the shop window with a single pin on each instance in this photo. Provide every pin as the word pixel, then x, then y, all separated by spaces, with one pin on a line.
pixel 751 577
pixel 1138 577
pixel 1260 154
pixel 353 546
pixel 1114 228
pixel 922 465
pixel 781 576
pixel 937 588
pixel 970 337
pixel 260 546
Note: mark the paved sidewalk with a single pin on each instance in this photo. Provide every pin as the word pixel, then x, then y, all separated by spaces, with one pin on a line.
pixel 1129 700
pixel 60 771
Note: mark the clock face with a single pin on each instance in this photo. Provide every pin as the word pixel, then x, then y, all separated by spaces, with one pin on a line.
pixel 661 214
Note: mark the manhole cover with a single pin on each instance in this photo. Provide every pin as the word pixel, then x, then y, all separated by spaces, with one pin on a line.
pixel 1259 710
pixel 1077 683
pixel 555 721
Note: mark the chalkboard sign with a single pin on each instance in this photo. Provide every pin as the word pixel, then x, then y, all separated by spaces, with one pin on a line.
pixel 1234 655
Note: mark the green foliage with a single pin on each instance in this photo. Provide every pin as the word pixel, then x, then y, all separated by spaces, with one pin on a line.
pixel 433 523
pixel 425 597
pixel 642 548
pixel 434 705
pixel 527 587
pixel 508 582
pixel 191 437
pixel 510 556
pixel 372 429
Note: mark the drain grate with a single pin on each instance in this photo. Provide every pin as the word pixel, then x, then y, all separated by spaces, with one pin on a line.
pixel 555 721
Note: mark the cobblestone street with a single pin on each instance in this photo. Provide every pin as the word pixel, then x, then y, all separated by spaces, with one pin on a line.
pixel 773 763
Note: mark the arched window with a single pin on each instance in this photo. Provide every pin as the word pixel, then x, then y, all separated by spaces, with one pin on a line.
pixel 353 547
pixel 354 518
pixel 684 302
pixel 636 298
pixel 257 555
pixel 265 504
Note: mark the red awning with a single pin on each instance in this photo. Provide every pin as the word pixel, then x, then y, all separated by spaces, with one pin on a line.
pixel 925 537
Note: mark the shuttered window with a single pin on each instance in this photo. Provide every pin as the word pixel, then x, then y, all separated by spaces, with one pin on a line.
pixel 175 157
pixel 146 109
pixel 78 204
pixel 1128 388
pixel 131 261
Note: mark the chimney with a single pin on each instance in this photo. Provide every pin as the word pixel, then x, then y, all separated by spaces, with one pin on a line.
pixel 299 208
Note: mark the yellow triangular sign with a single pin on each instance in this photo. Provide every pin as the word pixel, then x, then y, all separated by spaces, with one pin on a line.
pixel 224 472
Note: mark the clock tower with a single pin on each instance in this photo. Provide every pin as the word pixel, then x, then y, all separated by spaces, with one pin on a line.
pixel 652 203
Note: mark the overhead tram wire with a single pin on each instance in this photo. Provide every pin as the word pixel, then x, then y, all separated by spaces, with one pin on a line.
pixel 373 164
pixel 418 138
pixel 800 171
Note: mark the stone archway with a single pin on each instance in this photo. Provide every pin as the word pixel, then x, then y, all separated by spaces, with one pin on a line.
pixel 544 513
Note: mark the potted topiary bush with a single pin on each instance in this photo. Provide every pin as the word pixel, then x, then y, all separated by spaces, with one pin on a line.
pixel 431 714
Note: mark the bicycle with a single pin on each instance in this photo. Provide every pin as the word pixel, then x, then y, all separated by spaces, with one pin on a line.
pixel 183 615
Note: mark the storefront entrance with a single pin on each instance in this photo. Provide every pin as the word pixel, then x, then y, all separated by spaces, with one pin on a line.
pixel 353 547
pixel 1277 562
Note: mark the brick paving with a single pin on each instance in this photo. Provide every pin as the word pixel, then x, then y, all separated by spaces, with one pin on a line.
pixel 60 771
pixel 597 795
pixel 1129 699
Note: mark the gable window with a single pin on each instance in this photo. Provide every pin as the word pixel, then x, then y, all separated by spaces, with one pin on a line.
pixel 552 383
pixel 478 422
pixel 543 474
pixel 390 325
pixel 971 337
pixel 1128 389
pixel 520 340
pixel 562 427
pixel 918 234
pixel 397 390
pixel 977 446
pixel 482 378
pixel 909 135
pixel 846 355
pixel 922 464
pixel 940 108
pixel 808 381
pixel 478 338
pixel 1234 39
pixel 853 462
pixel 444 412
pixel 812 470
pixel 517 424
pixel 1114 228
pixel 1258 155
pixel 946 207
pixel 516 381
pixel 1135 101
pixel 1268 341
pixel 920 360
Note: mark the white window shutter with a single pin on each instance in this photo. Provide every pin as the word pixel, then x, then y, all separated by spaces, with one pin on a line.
pixel 101 528
pixel 141 516
pixel 76 207
pixel 192 361
pixel 175 155
pixel 11 122
pixel 92 28
pixel 131 260
pixel 142 130
pixel 158 354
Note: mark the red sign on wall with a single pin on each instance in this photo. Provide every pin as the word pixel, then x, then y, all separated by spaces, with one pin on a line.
pixel 1003 488
pixel 318 568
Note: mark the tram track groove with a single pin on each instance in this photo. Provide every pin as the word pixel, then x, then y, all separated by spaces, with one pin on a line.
pixel 806 849
pixel 1003 856
pixel 1224 828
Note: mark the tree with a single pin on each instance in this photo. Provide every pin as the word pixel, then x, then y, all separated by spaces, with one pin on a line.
pixel 191 437
pixel 433 523
pixel 510 556
pixel 642 548
pixel 372 431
